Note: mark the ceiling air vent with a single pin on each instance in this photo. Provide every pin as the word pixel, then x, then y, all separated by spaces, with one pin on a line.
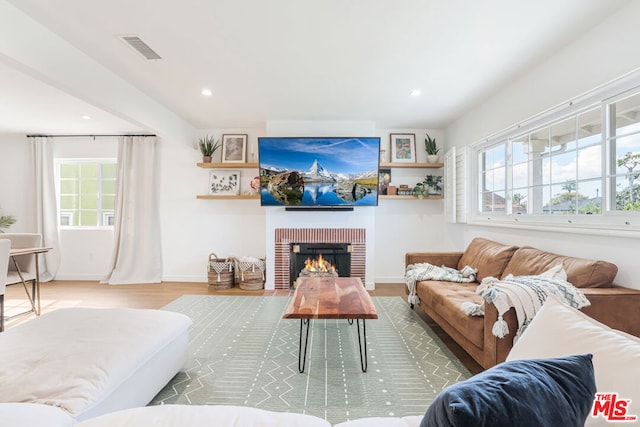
pixel 141 47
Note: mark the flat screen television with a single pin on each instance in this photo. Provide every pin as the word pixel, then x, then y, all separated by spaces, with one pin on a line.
pixel 318 172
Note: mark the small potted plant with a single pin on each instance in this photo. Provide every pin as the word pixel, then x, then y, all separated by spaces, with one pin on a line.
pixel 432 149
pixel 208 146
pixel 420 191
pixel 430 186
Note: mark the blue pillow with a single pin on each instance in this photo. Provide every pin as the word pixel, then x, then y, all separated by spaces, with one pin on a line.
pixel 538 392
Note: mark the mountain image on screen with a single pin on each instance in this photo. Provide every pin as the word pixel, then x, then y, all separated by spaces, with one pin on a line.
pixel 318 171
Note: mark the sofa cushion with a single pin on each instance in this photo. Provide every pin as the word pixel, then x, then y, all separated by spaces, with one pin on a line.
pixel 541 392
pixel 489 257
pixel 581 272
pixel 446 298
pixel 559 330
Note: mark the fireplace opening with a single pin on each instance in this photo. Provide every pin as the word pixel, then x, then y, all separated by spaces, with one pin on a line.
pixel 337 255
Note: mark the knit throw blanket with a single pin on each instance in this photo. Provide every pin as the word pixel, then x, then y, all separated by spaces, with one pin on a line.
pixel 526 294
pixel 425 271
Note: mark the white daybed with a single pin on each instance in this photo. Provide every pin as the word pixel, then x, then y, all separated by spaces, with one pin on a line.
pixel 90 362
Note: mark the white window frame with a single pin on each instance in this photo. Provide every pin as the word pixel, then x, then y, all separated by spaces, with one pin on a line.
pixel 101 214
pixel 623 223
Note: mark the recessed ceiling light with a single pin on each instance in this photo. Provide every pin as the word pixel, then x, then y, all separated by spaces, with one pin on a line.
pixel 415 92
pixel 86 117
pixel 207 92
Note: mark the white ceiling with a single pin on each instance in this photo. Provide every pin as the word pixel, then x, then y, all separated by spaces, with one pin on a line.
pixel 293 59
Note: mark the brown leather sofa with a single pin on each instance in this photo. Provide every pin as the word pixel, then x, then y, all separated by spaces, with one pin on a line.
pixel 612 305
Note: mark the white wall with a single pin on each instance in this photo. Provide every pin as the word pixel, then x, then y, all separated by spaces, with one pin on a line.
pixel 193 228
pixel 596 58
pixel 15 180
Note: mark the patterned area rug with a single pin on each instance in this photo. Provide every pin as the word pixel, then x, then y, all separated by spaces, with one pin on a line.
pixel 242 352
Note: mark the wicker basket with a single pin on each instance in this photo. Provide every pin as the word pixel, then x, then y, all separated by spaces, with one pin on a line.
pixel 251 274
pixel 220 272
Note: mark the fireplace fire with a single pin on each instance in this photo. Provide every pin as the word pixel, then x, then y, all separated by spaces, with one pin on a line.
pixel 318 267
pixel 319 260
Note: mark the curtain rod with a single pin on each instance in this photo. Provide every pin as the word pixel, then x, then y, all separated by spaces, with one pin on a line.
pixel 91 136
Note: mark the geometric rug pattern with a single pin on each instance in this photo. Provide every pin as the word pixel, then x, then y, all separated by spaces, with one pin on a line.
pixel 242 352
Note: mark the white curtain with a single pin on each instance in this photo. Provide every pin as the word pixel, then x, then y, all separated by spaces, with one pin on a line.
pixel 137 253
pixel 46 205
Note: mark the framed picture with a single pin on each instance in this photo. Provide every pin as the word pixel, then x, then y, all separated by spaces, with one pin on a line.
pixel 234 148
pixel 224 182
pixel 403 147
pixel 384 179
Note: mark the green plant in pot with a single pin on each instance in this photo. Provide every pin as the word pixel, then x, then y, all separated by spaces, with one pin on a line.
pixel 431 185
pixel 421 191
pixel 432 149
pixel 208 146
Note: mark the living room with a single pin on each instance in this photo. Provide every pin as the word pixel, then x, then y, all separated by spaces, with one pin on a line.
pixel 592 51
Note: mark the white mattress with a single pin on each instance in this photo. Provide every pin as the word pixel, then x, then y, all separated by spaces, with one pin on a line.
pixel 80 359
pixel 203 416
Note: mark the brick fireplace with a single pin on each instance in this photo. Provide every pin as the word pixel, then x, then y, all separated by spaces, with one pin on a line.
pixel 285 237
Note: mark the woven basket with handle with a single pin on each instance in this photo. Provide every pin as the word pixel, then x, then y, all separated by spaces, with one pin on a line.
pixel 251 274
pixel 220 272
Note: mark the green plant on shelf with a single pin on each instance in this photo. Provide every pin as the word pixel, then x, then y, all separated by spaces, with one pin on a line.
pixel 430 186
pixel 208 146
pixel 430 146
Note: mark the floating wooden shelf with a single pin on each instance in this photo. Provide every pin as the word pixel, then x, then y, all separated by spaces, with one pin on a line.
pixel 228 165
pixel 411 165
pixel 386 196
pixel 226 197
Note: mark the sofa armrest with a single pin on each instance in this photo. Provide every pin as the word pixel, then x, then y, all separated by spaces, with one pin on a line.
pixel 616 307
pixel 496 349
pixel 448 259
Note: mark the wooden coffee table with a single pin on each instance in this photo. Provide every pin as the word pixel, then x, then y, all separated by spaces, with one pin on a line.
pixel 331 298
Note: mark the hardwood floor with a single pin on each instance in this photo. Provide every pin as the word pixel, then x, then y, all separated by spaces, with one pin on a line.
pixel 62 294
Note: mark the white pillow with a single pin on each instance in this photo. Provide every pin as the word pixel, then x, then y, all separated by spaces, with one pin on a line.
pixel 558 330
pixel 555 273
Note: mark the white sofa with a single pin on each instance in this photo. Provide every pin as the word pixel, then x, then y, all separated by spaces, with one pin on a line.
pixel 89 362
pixel 236 416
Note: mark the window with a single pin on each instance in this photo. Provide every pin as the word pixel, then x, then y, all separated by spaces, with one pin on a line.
pixel 581 166
pixel 87 191
pixel 624 143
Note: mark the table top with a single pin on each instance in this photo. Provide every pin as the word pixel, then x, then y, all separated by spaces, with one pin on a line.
pixel 330 298
pixel 27 251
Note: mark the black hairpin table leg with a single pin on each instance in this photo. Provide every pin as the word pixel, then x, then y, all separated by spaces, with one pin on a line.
pixel 302 357
pixel 362 342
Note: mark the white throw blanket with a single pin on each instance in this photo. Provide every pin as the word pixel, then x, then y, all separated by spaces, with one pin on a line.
pixel 526 294
pixel 425 271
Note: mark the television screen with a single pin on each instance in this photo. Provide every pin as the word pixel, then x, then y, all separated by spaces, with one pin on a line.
pixel 316 172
